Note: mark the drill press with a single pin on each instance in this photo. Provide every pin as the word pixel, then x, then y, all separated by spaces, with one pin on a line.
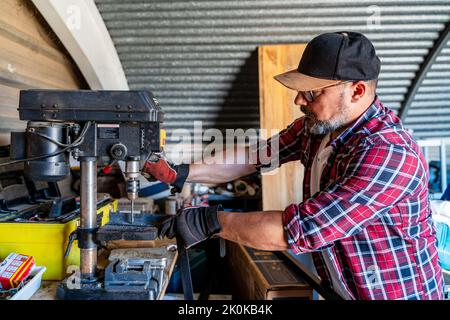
pixel 99 128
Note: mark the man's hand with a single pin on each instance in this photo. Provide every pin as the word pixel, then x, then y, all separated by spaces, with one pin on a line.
pixel 158 168
pixel 192 225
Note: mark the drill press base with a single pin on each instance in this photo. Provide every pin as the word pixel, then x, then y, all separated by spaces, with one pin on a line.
pixel 133 276
pixel 124 279
pixel 96 291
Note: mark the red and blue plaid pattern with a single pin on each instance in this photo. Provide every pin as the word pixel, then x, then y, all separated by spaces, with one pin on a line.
pixel 373 211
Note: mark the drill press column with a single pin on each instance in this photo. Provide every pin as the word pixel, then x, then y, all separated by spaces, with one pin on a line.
pixel 88 217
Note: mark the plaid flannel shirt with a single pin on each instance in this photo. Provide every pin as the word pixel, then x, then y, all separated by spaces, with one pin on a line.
pixel 372 211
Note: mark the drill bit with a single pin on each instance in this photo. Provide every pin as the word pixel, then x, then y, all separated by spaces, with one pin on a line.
pixel 132 211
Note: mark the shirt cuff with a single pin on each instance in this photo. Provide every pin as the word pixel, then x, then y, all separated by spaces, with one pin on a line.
pixel 292 227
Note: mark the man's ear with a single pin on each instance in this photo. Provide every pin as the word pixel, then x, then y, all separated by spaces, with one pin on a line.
pixel 359 90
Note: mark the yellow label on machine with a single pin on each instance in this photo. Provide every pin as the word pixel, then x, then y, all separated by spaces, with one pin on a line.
pixel 162 134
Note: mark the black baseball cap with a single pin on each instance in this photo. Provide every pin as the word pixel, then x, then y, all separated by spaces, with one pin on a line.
pixel 331 58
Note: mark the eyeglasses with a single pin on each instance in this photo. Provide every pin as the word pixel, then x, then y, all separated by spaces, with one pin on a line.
pixel 311 95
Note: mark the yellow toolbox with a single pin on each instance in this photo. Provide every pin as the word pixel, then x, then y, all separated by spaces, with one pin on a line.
pixel 46 242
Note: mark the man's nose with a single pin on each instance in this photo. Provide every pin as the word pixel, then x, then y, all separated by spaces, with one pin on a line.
pixel 300 100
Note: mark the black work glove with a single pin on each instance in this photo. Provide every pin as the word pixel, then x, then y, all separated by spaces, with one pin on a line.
pixel 158 168
pixel 192 225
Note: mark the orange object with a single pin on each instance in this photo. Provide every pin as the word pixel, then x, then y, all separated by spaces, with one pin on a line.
pixel 162 137
pixel 14 269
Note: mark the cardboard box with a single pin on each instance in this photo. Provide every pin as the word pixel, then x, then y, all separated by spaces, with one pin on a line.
pixel 263 275
pixel 14 269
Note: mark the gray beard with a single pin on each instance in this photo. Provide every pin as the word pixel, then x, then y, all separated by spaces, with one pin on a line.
pixel 325 127
pixel 322 128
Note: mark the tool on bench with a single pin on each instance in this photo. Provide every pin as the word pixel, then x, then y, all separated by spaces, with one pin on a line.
pixel 98 128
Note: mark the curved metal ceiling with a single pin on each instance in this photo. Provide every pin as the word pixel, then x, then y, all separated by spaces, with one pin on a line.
pixel 199 57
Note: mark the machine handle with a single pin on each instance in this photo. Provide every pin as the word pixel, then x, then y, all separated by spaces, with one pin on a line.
pixel 222 247
pixel 72 238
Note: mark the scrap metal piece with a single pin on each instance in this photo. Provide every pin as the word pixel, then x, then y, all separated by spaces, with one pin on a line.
pixel 111 232
pixel 144 227
pixel 139 253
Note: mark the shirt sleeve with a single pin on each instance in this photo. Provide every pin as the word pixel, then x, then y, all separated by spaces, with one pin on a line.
pixel 286 146
pixel 376 178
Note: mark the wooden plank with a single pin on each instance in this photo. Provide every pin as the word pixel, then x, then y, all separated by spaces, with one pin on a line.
pixel 168 270
pixel 277 110
pixel 9 101
pixel 30 57
pixel 21 61
pixel 24 21
pixel 123 244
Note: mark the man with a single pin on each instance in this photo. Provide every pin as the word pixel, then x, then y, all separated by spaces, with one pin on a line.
pixel 365 214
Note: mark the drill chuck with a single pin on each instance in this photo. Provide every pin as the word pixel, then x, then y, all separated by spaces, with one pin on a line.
pixel 132 173
pixel 133 187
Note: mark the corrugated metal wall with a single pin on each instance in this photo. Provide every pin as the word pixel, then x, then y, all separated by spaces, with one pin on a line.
pixel 199 57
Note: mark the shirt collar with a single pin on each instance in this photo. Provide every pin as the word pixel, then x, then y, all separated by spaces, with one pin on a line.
pixel 372 111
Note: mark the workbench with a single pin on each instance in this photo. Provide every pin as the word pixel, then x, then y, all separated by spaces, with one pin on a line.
pixel 48 289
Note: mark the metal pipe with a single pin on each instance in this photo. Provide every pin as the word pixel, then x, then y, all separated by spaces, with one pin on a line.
pixel 443 154
pixel 88 216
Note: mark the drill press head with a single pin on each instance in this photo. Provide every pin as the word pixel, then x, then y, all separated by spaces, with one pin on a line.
pixel 107 125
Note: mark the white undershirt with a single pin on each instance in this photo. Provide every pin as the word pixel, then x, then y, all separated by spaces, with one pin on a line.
pixel 319 163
